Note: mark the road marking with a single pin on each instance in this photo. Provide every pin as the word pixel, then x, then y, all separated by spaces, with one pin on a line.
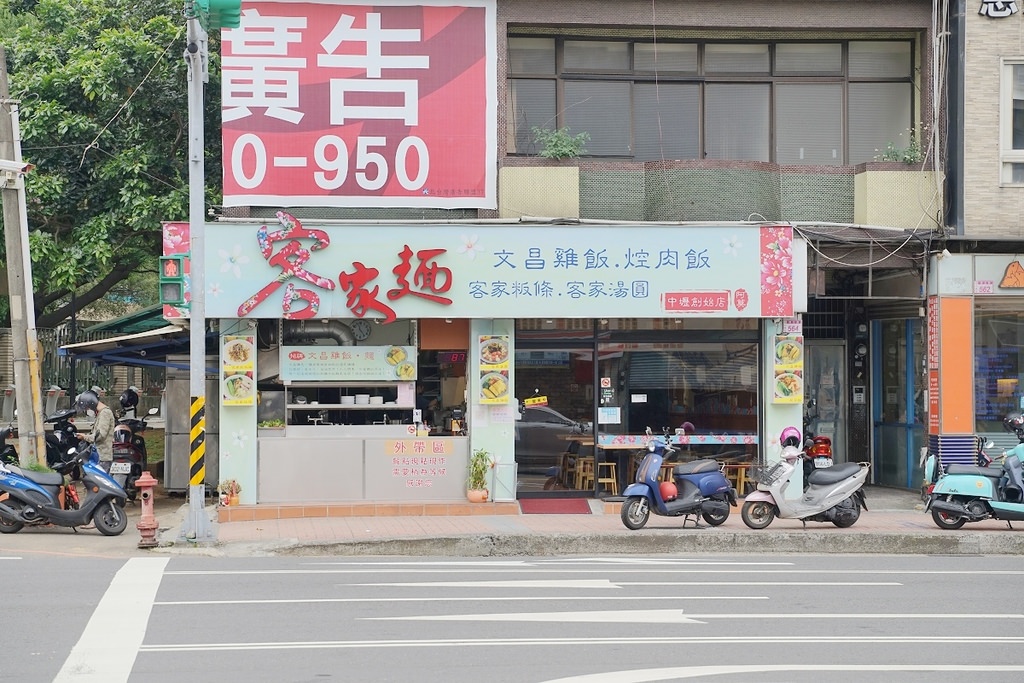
pixel 10 558
pixel 674 616
pixel 603 571
pixel 487 598
pixel 614 584
pixel 106 651
pixel 968 641
pixel 651 675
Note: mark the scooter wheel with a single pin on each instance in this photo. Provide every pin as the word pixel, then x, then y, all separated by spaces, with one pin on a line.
pixel 635 512
pixel 944 520
pixel 9 527
pixel 716 519
pixel 110 518
pixel 757 514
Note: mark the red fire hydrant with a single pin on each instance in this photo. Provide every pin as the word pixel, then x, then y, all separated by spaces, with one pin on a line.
pixel 147 525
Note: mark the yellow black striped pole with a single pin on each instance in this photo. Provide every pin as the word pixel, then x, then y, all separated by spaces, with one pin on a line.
pixel 197 441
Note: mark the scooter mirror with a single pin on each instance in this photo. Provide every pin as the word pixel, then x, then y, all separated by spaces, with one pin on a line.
pixel 990 444
pixel 154 411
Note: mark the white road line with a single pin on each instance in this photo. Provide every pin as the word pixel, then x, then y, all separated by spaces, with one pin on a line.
pixel 674 673
pixel 952 640
pixel 612 584
pixel 666 616
pixel 486 598
pixel 106 651
pixel 10 558
pixel 605 571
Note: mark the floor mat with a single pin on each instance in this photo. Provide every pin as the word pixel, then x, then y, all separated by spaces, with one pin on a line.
pixel 554 506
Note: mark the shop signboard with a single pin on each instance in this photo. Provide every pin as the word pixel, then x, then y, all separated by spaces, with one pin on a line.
pixel 788 366
pixel 494 365
pixel 238 365
pixel 284 269
pixel 348 363
pixel 333 103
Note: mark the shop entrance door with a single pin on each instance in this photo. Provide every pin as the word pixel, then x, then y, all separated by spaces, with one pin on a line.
pixel 825 398
pixel 898 402
pixel 555 389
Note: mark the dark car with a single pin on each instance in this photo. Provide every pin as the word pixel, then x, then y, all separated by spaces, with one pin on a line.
pixel 542 436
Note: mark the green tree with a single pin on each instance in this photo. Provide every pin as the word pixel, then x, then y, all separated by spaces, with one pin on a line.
pixel 104 117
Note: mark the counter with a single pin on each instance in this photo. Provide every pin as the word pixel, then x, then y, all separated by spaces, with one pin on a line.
pixel 346 463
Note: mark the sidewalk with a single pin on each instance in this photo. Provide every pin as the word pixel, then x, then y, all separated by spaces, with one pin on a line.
pixel 894 524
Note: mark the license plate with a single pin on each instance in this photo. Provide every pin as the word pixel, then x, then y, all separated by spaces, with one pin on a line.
pixel 822 462
pixel 120 468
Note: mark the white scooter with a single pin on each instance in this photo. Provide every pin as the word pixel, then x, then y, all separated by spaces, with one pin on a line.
pixel 834 494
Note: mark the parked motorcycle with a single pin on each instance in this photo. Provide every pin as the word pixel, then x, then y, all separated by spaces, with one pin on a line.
pixel 130 457
pixel 62 438
pixel 971 493
pixel 8 454
pixel 833 494
pixel 698 488
pixel 34 498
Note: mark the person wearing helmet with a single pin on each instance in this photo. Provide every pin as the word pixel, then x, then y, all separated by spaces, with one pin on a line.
pixel 102 434
pixel 129 400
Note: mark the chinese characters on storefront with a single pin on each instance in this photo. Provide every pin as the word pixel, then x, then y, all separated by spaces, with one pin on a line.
pixel 419 462
pixel 391 103
pixel 349 363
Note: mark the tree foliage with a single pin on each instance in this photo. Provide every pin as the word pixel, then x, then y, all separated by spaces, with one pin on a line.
pixel 104 118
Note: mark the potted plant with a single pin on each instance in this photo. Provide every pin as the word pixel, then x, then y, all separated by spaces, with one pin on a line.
pixel 229 490
pixel 476 481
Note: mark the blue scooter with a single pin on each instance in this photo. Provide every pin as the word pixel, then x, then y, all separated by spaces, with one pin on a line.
pixel 699 489
pixel 968 493
pixel 33 498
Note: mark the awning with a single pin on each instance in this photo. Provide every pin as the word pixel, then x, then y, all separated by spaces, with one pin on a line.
pixel 142 348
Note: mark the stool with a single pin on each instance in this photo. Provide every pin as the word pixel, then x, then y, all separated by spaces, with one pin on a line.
pixel 568 469
pixel 666 471
pixel 585 473
pixel 607 476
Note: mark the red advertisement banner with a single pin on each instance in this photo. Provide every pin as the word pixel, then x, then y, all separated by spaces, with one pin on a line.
pixel 389 104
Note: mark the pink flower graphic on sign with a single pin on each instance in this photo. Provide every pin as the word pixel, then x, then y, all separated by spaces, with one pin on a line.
pixel 776 271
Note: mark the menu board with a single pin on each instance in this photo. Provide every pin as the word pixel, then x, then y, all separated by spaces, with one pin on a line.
pixel 996 383
pixel 238 364
pixel 349 363
pixel 494 364
pixel 788 365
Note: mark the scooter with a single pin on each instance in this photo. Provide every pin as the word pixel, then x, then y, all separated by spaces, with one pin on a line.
pixel 833 494
pixel 698 489
pixel 8 454
pixel 34 498
pixel 62 438
pixel 970 493
pixel 130 457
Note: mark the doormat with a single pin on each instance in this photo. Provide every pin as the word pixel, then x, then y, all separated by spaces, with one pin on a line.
pixel 554 506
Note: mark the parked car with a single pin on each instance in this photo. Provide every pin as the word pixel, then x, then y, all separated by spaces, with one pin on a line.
pixel 542 437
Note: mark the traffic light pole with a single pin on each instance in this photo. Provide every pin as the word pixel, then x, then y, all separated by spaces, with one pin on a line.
pixel 197 525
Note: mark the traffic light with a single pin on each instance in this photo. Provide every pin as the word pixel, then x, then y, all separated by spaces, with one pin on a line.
pixel 172 279
pixel 219 13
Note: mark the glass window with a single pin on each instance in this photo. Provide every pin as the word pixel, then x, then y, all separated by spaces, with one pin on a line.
pixel 879 115
pixel 998 366
pixel 736 58
pixel 1012 122
pixel 600 108
pixel 666 121
pixel 817 58
pixel 530 103
pixel 736 116
pixel 531 55
pixel 665 57
pixel 594 55
pixel 809 124
pixel 880 59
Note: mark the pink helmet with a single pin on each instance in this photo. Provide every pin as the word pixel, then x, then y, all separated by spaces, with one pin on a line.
pixel 790 436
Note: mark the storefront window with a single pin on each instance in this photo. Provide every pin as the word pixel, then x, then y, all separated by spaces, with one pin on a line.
pixel 998 366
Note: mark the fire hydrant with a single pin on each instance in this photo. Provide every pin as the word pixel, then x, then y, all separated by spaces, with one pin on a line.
pixel 147 525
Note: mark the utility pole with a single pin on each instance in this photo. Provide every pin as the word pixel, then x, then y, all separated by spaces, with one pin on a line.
pixel 197 524
pixel 27 379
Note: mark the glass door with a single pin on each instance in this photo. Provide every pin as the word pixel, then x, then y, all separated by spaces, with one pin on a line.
pixel 898 402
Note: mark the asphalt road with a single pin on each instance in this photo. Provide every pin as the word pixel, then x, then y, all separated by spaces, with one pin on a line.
pixel 566 619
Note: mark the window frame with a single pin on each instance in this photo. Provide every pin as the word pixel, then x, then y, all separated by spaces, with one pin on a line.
pixel 702 78
pixel 1008 156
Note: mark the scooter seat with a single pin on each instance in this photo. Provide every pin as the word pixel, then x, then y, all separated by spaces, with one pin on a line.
pixel 990 472
pixel 695 466
pixel 834 474
pixel 41 478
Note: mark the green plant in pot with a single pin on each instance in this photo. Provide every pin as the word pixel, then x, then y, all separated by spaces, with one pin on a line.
pixel 476 481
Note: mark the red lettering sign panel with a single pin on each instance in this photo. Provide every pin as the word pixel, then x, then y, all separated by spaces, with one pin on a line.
pixel 389 104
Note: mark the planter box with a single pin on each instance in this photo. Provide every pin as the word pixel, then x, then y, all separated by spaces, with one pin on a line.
pixel 269 432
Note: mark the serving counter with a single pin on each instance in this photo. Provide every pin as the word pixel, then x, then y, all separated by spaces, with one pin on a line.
pixel 345 463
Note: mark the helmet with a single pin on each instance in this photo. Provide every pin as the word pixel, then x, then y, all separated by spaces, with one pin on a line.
pixel 668 491
pixel 86 401
pixel 1013 422
pixel 688 428
pixel 129 398
pixel 790 436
